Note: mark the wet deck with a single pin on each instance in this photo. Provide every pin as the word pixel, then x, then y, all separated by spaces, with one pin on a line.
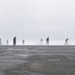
pixel 37 60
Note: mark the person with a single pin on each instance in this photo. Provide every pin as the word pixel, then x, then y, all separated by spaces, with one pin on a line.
pixel 66 41
pixel 41 41
pixel 14 41
pixel 23 42
pixel 7 42
pixel 47 41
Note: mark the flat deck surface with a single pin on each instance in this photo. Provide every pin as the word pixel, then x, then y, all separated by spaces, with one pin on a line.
pixel 37 60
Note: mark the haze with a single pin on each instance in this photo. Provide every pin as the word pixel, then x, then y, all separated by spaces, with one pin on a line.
pixel 36 19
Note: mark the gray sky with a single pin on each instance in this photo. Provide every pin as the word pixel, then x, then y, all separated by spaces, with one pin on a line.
pixel 35 19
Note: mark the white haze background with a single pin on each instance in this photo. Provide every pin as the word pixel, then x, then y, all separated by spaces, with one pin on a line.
pixel 35 19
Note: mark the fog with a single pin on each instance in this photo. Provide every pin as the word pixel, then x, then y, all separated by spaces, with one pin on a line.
pixel 36 19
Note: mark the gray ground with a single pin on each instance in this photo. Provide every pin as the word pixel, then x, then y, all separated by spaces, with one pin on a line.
pixel 37 60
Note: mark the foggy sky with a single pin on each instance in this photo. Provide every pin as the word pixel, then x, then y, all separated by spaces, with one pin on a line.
pixel 35 19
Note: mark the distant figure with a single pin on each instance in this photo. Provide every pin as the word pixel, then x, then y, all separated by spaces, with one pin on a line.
pixel 0 42
pixel 23 42
pixel 66 41
pixel 41 41
pixel 7 42
pixel 47 41
pixel 14 41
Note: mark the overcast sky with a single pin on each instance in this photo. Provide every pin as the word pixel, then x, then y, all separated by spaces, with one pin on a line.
pixel 35 19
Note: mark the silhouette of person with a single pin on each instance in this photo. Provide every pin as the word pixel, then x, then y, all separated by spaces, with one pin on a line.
pixel 66 41
pixel 41 41
pixel 14 41
pixel 23 42
pixel 47 41
pixel 7 42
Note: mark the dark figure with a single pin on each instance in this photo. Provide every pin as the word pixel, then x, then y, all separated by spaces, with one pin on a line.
pixel 14 41
pixel 23 42
pixel 47 41
pixel 7 42
pixel 41 41
pixel 66 41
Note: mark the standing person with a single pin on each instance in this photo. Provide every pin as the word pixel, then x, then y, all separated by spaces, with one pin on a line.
pixel 66 41
pixel 23 42
pixel 41 41
pixel 7 42
pixel 47 41
pixel 14 41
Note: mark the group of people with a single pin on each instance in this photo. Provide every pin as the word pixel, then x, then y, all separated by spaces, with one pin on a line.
pixel 14 41
pixel 47 41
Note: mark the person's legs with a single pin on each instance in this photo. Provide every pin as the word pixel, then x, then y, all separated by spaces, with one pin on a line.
pixel 67 43
pixel 47 42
